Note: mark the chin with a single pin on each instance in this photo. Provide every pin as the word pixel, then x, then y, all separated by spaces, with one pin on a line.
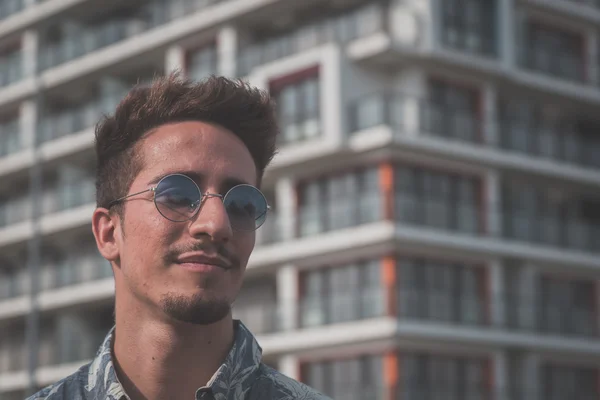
pixel 198 308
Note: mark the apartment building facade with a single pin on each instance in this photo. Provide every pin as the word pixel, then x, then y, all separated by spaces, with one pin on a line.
pixel 434 232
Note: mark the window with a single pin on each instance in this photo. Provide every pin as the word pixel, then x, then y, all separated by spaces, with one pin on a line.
pixel 565 382
pixel 451 112
pixel 469 25
pixel 202 63
pixel 567 307
pixel 440 291
pixel 437 200
pixel 441 377
pixel 355 378
pixel 339 201
pixel 554 52
pixel 10 141
pixel 342 293
pixel 298 107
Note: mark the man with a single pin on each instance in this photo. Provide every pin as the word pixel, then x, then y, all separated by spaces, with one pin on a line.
pixel 178 166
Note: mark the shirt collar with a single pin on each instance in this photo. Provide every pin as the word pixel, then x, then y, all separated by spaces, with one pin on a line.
pixel 233 378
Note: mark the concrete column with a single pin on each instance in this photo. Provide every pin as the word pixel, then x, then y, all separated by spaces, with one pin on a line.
pixel 492 204
pixel 592 58
pixel 412 87
pixel 506 32
pixel 28 116
pixel 289 365
pixel 175 59
pixel 227 50
pixel 332 109
pixel 30 44
pixel 500 377
pixel 498 295
pixel 490 115
pixel 288 297
pixel 287 210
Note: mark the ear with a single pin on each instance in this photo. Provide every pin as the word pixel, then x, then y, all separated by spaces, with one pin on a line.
pixel 106 231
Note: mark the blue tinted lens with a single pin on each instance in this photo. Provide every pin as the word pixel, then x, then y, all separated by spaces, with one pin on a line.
pixel 177 197
pixel 246 207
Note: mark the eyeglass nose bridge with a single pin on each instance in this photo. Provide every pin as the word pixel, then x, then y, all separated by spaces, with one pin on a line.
pixel 205 196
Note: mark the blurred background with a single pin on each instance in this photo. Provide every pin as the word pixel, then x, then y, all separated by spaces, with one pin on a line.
pixel 435 231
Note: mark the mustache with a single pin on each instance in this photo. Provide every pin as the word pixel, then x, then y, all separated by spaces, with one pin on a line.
pixel 206 247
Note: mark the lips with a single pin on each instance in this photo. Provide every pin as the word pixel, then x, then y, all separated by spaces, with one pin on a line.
pixel 200 259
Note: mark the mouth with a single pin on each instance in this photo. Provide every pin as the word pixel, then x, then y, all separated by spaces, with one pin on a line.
pixel 198 262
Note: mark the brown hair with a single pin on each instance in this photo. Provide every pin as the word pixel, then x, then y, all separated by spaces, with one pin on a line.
pixel 232 104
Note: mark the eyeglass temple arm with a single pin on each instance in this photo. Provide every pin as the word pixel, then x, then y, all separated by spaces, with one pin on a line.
pixel 112 203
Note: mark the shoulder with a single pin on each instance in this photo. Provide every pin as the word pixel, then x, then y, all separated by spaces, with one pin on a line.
pixel 274 385
pixel 71 388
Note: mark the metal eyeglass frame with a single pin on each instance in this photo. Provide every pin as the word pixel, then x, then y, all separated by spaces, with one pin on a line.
pixel 203 196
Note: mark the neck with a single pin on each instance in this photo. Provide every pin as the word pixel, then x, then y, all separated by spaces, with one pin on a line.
pixel 158 358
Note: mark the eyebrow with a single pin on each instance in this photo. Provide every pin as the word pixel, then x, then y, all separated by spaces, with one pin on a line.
pixel 197 177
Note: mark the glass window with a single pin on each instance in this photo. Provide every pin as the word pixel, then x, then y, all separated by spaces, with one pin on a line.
pixel 203 63
pixel 470 26
pixel 554 52
pixel 299 109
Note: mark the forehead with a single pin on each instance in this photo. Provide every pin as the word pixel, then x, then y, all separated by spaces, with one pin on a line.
pixel 206 149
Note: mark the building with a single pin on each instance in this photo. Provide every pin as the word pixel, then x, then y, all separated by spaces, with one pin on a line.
pixel 436 223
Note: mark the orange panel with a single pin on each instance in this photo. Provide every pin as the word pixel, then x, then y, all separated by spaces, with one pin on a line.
pixel 386 183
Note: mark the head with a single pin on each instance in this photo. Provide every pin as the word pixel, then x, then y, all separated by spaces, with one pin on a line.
pixel 218 132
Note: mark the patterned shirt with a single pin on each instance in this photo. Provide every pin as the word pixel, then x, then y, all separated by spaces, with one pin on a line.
pixel 241 377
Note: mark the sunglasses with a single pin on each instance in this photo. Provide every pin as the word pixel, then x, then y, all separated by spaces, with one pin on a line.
pixel 178 198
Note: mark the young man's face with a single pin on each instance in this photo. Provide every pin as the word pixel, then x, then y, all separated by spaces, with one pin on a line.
pixel 151 248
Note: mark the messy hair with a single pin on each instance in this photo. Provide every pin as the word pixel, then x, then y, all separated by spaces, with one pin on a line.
pixel 249 113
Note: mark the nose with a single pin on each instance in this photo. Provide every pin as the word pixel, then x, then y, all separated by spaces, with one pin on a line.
pixel 212 220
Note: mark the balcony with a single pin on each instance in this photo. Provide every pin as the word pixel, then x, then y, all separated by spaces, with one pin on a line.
pixel 14 282
pixel 11 68
pixel 342 307
pixel 70 195
pixel 81 39
pixel 78 117
pixel 553 52
pixel 10 7
pixel 520 314
pixel 567 141
pixel 14 210
pixel 74 269
pixel 342 214
pixel 343 28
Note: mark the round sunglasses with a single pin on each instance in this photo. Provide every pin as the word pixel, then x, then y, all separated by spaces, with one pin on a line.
pixel 178 198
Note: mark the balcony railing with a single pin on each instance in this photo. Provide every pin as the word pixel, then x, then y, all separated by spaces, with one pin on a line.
pixel 77 118
pixel 10 140
pixel 14 283
pixel 14 210
pixel 342 307
pixel 75 270
pixel 344 28
pixel 83 39
pixel 411 116
pixel 69 195
pixel 519 313
pixel 568 66
pixel 11 68
pixel 340 214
